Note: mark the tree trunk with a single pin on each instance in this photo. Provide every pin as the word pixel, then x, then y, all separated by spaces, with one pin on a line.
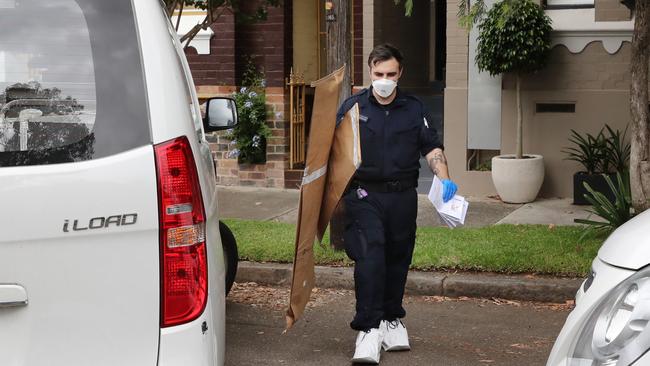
pixel 520 133
pixel 640 155
pixel 339 42
pixel 338 54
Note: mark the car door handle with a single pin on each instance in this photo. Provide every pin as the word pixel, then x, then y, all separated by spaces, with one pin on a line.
pixel 12 295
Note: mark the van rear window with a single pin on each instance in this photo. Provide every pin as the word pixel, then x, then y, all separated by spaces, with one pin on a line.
pixel 71 81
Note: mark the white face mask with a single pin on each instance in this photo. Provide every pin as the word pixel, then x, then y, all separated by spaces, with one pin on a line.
pixel 384 87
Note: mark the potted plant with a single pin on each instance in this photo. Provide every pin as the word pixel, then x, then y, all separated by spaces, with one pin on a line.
pixel 514 37
pixel 612 212
pixel 602 155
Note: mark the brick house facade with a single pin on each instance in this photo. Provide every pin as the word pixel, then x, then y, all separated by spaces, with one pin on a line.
pixel 269 44
pixel 588 67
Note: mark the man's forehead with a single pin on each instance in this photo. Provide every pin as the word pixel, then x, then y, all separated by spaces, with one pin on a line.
pixel 387 66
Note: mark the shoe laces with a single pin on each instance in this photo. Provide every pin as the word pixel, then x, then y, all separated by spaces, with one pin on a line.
pixel 394 324
pixel 365 333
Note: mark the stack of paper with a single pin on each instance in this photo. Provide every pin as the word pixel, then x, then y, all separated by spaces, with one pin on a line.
pixel 451 212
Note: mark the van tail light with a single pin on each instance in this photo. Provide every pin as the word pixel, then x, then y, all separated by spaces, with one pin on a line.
pixel 183 259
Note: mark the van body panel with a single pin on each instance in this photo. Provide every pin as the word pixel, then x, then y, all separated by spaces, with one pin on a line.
pixel 93 290
pixel 190 344
pixel 168 93
pixel 174 112
pixel 93 293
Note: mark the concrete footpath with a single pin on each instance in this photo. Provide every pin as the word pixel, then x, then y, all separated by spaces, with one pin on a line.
pixel 266 204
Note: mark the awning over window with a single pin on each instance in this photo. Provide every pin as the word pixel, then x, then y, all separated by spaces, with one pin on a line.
pixel 576 28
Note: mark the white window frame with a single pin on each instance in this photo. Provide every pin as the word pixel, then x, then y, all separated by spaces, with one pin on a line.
pixel 567 3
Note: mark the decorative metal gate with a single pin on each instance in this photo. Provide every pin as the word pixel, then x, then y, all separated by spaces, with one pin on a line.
pixel 297 131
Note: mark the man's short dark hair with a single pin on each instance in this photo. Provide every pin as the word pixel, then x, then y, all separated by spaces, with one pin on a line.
pixel 385 52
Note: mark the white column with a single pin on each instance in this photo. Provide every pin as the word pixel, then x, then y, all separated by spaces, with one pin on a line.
pixel 484 101
pixel 368 35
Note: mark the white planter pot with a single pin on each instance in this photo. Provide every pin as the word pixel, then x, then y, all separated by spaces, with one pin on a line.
pixel 518 180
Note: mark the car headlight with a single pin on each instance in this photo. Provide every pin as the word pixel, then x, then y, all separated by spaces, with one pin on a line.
pixel 616 333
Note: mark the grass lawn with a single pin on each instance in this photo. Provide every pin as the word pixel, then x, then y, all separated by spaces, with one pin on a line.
pixel 500 248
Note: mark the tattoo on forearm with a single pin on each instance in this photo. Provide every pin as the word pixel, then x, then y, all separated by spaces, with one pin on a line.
pixel 433 165
pixel 438 158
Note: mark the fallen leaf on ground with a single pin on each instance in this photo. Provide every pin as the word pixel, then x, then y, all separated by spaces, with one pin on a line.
pixel 498 301
pixel 277 298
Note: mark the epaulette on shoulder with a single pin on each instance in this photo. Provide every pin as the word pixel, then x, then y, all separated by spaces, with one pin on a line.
pixel 414 98
pixel 354 97
pixel 360 92
pixel 417 100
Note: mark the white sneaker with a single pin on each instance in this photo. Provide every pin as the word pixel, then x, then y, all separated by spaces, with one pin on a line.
pixel 396 337
pixel 368 346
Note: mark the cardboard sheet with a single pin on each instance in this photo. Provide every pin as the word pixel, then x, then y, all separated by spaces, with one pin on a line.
pixel 333 155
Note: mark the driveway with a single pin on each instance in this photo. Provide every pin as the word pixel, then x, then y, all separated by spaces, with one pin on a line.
pixel 449 332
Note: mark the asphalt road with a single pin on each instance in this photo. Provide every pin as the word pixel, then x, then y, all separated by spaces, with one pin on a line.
pixel 443 331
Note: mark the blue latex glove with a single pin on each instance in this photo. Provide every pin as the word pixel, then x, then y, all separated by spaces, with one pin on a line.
pixel 449 189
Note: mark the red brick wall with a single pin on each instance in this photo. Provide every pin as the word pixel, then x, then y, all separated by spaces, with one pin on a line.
pixel 357 43
pixel 269 44
pixel 265 42
pixel 271 174
pixel 217 68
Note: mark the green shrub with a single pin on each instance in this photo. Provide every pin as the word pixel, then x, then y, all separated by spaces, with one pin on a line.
pixel 514 37
pixel 251 131
pixel 600 154
pixel 614 214
pixel 617 151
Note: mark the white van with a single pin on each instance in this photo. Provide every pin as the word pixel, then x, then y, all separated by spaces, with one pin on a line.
pixel 110 248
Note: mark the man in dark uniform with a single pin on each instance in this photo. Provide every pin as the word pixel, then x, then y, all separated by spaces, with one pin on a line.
pixel 381 203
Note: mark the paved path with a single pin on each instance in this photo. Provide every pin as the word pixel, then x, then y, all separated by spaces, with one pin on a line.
pixel 444 332
pixel 282 205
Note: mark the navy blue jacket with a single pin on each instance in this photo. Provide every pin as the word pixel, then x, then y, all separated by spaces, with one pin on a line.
pixel 393 136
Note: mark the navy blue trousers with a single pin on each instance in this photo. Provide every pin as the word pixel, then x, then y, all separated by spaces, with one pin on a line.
pixel 379 236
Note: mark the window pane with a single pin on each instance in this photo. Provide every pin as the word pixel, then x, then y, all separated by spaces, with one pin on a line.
pixel 569 2
pixel 71 83
pixel 47 82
